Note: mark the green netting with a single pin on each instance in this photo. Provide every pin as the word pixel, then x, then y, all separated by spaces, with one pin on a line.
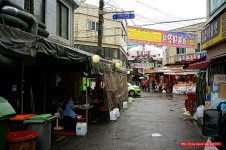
pixel 115 90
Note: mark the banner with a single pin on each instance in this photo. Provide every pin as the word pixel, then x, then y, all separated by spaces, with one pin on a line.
pixel 162 38
pixel 141 65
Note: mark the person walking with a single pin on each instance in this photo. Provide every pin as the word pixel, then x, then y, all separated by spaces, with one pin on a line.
pixel 153 85
pixel 144 84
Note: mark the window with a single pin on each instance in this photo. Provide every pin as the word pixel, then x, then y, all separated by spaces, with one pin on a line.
pixel 28 6
pixel 92 25
pixel 111 53
pixel 107 52
pixel 121 55
pixel 123 58
pixel 181 50
pixel 114 53
pixel 124 36
pixel 39 10
pixel 62 20
pixel 198 48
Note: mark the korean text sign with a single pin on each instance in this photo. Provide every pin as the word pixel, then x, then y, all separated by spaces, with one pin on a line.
pixel 214 33
pixel 162 38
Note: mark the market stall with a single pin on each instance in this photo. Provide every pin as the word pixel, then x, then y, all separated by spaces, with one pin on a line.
pixel 183 87
pixel 182 82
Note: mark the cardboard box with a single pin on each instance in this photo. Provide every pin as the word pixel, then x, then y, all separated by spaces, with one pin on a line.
pixel 222 90
pixel 218 78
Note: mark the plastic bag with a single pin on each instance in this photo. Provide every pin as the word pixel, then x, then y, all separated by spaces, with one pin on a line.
pixel 200 111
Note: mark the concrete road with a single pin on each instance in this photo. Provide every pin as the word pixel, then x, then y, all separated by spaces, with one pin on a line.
pixel 148 114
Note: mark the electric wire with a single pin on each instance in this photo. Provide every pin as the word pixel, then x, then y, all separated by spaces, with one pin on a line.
pixel 157 10
pixel 183 20
pixel 160 11
pixel 116 8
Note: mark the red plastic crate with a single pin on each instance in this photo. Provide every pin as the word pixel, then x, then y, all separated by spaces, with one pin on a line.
pixel 191 96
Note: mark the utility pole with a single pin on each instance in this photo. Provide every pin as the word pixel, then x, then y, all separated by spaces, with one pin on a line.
pixel 100 28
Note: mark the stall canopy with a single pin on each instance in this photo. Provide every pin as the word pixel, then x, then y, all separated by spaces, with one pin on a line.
pixel 199 65
pixel 182 73
pixel 18 43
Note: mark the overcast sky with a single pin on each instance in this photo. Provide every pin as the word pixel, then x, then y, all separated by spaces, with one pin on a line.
pixel 155 11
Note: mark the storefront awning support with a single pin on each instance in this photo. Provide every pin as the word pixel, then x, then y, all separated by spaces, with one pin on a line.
pixel 22 86
pixel 86 103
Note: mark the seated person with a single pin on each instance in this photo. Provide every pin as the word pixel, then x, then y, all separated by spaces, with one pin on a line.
pixel 68 112
pixel 82 98
pixel 89 91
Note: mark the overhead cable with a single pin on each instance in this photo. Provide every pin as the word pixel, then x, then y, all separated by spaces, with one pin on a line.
pixel 184 20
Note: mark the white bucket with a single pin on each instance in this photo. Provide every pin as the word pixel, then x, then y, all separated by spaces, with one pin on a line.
pixel 117 112
pixel 130 99
pixel 113 116
pixel 200 111
pixel 81 128
pixel 124 104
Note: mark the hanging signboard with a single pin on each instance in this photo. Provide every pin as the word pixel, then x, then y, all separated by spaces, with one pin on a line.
pixel 190 57
pixel 162 38
pixel 123 16
pixel 141 65
pixel 214 33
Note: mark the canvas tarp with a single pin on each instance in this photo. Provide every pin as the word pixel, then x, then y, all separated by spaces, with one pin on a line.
pixel 16 42
pixel 200 94
pixel 115 89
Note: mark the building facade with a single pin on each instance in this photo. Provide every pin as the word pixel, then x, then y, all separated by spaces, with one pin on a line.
pixel 57 15
pixel 114 33
pixel 38 40
pixel 213 40
pixel 179 56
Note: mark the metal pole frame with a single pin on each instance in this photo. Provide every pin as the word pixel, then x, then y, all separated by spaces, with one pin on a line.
pixel 86 103
pixel 22 86
pixel 100 28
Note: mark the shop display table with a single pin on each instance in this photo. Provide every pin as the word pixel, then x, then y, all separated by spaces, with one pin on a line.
pixel 179 89
pixel 183 89
pixel 82 111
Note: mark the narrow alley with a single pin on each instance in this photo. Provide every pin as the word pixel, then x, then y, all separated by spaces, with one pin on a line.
pixel 149 114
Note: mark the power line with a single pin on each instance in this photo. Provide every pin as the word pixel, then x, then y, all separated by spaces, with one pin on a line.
pixel 149 20
pixel 103 36
pixel 117 5
pixel 184 20
pixel 120 8
pixel 157 10
pixel 139 15
pixel 113 28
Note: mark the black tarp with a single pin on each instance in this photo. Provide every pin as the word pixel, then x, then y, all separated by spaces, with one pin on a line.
pixel 16 42
pixel 4 61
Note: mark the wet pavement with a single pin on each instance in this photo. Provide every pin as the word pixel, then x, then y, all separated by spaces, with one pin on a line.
pixel 149 113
